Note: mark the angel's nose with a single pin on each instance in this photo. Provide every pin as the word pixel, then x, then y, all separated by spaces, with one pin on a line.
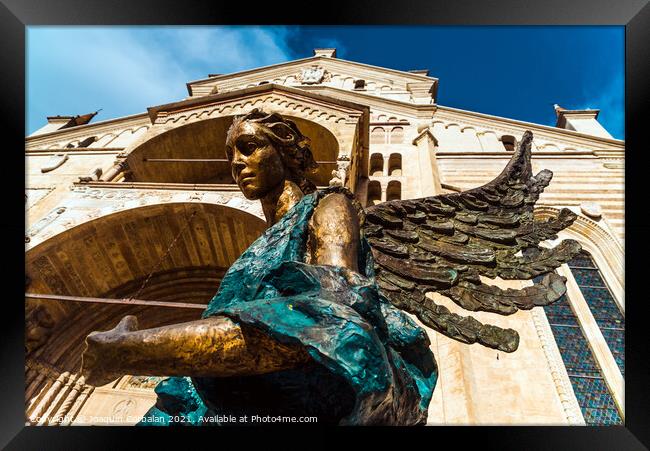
pixel 237 166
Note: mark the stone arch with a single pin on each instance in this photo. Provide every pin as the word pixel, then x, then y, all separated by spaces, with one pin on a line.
pixel 376 164
pixel 104 140
pixel 123 138
pixel 378 135
pixel 103 256
pixel 395 164
pixel 394 190
pixel 605 249
pixel 121 256
pixel 374 192
pixel 397 135
pixel 204 139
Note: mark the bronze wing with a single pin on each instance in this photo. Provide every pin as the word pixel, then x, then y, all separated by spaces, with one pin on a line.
pixel 445 243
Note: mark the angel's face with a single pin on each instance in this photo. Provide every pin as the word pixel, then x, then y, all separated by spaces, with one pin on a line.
pixel 256 163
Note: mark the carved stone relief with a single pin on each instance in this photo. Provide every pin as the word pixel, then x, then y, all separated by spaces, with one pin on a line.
pixel 142 382
pixel 86 203
pixel 340 174
pixel 54 162
pixel 313 75
pixel 46 221
pixel 38 326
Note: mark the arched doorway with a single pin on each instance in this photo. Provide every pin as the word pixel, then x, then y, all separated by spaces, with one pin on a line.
pixel 169 257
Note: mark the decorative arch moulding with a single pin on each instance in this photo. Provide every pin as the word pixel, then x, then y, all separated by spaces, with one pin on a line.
pixel 600 242
pixel 269 93
pixel 87 203
pixel 100 129
pixel 543 134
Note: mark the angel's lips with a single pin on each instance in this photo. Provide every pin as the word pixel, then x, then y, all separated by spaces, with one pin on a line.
pixel 246 178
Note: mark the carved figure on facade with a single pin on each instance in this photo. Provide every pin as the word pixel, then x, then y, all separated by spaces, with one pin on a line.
pixel 38 326
pixel 313 75
pixel 310 320
pixel 340 174
pixel 44 222
pixel 54 162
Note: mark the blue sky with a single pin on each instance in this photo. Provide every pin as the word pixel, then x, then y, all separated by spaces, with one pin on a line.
pixel 514 72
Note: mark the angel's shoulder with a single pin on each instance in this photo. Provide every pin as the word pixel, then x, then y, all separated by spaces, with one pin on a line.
pixel 335 208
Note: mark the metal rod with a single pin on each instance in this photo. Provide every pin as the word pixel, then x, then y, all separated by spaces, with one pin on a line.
pixel 203 160
pixel 185 160
pixel 59 297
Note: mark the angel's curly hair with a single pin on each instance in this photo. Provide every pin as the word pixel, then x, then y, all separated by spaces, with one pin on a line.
pixel 294 147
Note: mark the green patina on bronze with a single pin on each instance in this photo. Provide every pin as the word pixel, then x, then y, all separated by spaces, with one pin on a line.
pixel 374 360
pixel 310 320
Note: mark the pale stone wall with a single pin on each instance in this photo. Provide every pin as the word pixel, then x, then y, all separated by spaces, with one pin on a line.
pixel 442 150
pixel 46 191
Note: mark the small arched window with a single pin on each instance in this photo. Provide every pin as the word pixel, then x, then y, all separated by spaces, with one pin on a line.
pixel 509 142
pixel 394 190
pixel 374 192
pixel 88 141
pixel 395 164
pixel 378 136
pixel 397 135
pixel 376 164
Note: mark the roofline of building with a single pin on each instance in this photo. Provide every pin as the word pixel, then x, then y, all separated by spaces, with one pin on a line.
pixel 549 128
pixel 268 87
pixel 417 106
pixel 89 125
pixel 563 113
pixel 329 99
pixel 435 106
pixel 302 60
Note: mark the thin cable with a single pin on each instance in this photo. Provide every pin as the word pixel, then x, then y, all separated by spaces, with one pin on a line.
pixel 169 248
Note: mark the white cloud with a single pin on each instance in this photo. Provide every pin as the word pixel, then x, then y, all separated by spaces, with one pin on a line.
pixel 75 70
pixel 610 101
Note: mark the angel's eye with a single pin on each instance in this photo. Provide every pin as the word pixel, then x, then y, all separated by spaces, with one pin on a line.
pixel 251 146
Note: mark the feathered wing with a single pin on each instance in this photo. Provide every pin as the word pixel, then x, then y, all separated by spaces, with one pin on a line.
pixel 444 243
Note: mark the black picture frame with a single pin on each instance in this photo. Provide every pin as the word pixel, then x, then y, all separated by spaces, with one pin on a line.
pixel 15 15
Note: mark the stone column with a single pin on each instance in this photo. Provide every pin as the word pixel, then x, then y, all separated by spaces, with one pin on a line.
pixel 429 174
pixel 118 167
pixel 37 415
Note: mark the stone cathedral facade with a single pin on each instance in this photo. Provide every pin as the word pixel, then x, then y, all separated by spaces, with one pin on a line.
pixel 139 215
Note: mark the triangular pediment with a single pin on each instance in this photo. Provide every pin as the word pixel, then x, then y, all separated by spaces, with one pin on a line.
pixel 255 94
pixel 325 71
pixel 196 127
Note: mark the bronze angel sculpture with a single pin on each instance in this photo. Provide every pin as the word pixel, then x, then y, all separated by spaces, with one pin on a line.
pixel 310 320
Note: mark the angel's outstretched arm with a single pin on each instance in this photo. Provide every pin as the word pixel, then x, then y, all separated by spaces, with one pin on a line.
pixel 211 347
pixel 218 346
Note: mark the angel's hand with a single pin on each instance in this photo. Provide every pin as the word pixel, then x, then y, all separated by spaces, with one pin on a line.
pixel 101 349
